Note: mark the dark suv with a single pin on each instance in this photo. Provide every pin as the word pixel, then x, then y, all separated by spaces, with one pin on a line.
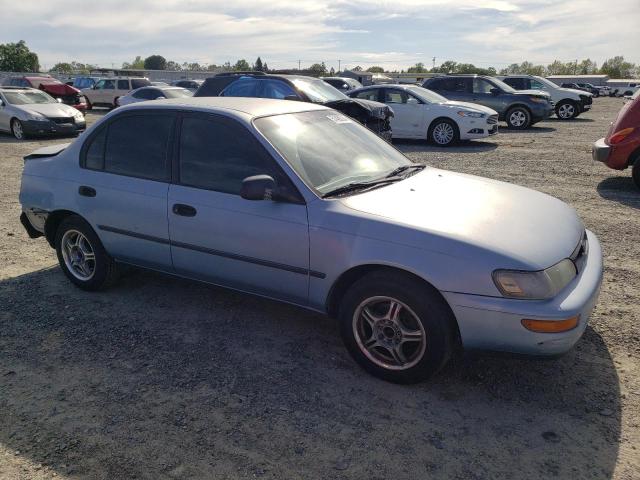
pixel 374 115
pixel 520 109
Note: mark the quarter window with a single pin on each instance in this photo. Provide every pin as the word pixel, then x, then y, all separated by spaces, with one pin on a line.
pixel 137 146
pixel 95 153
pixel 368 95
pixel 216 155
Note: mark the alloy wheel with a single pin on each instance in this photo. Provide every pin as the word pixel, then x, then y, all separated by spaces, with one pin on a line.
pixel 17 130
pixel 78 254
pixel 517 118
pixel 443 133
pixel 389 333
pixel 566 111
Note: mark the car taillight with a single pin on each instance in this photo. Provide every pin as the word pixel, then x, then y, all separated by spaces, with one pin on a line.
pixel 620 136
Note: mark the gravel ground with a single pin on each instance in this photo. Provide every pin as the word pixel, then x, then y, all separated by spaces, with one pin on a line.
pixel 130 383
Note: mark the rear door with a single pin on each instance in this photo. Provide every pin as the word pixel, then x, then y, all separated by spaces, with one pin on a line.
pixel 216 235
pixel 123 190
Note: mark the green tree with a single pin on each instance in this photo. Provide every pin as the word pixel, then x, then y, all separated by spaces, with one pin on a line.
pixel 417 68
pixel 332 71
pixel 62 67
pixel 265 67
pixel 155 62
pixel 258 67
pixel 357 68
pixel 242 66
pixel 171 65
pixel 446 67
pixel 587 67
pixel 617 67
pixel 137 64
pixel 375 69
pixel 16 57
pixel 318 69
pixel 560 68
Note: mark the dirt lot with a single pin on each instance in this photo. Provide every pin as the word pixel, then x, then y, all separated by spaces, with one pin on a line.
pixel 165 378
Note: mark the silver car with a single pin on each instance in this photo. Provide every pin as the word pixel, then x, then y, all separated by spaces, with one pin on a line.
pixel 153 93
pixel 28 111
pixel 300 203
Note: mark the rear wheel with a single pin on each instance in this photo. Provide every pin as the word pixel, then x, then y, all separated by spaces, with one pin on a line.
pixel 443 132
pixel 518 118
pixel 89 105
pixel 566 110
pixel 17 129
pixel 82 257
pixel 397 328
pixel 115 102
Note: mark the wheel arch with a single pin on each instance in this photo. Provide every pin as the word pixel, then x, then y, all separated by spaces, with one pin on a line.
pixel 443 117
pixel 53 221
pixel 634 157
pixel 518 105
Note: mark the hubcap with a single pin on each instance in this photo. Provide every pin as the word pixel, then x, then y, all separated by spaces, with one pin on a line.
pixel 517 118
pixel 17 130
pixel 389 333
pixel 566 111
pixel 443 133
pixel 78 255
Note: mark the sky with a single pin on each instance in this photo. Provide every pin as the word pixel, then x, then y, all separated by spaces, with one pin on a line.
pixel 393 34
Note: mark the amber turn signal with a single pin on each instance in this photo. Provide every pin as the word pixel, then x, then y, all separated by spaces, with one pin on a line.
pixel 551 326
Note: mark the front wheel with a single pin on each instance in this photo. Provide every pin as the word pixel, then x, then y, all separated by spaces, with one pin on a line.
pixel 567 110
pixel 397 328
pixel 89 105
pixel 518 118
pixel 17 129
pixel 444 133
pixel 82 257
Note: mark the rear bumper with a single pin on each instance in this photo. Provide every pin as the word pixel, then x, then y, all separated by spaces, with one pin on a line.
pixel 492 323
pixel 600 151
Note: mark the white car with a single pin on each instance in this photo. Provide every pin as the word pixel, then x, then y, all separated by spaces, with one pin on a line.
pixel 153 93
pixel 569 102
pixel 421 113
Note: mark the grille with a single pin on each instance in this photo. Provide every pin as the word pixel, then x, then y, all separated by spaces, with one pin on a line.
pixel 492 120
pixel 60 120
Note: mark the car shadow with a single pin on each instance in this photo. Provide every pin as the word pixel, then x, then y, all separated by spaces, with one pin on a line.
pixel 576 120
pixel 160 377
pixel 534 129
pixel 620 189
pixel 463 146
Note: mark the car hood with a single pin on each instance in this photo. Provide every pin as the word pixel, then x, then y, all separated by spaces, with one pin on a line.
pixel 59 89
pixel 538 93
pixel 377 109
pixel 470 106
pixel 48 109
pixel 577 92
pixel 465 215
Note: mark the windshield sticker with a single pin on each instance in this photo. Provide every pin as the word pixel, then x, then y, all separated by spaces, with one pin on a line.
pixel 339 119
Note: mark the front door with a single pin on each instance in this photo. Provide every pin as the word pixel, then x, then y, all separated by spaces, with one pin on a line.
pixel 216 235
pixel 407 120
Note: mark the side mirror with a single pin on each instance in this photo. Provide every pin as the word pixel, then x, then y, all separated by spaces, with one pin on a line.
pixel 495 91
pixel 258 187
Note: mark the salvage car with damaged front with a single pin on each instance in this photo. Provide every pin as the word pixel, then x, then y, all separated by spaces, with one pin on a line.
pixel 300 203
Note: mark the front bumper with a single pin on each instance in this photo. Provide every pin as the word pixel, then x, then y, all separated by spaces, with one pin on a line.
pixel 600 151
pixel 494 323
pixel 49 127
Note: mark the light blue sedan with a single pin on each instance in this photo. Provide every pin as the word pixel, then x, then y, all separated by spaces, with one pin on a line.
pixel 299 203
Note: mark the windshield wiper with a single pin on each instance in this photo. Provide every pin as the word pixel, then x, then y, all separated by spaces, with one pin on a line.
pixel 354 186
pixel 397 171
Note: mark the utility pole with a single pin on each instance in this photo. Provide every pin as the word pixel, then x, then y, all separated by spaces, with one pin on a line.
pixel 339 61
pixel 434 62
pixel 575 68
pixel 298 64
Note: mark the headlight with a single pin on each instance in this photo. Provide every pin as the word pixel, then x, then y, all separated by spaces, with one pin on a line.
pixel 78 114
pixel 538 99
pixel 463 113
pixel 538 285
pixel 36 116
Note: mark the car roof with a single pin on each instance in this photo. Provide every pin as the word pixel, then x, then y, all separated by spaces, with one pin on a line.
pixel 254 107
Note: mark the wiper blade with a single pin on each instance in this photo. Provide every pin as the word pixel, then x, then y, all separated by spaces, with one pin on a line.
pixel 354 186
pixel 404 168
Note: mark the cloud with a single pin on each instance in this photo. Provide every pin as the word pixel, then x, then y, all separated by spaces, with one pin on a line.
pixel 363 32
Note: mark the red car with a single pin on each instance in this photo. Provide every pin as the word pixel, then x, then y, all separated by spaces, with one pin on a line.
pixel 66 93
pixel 621 147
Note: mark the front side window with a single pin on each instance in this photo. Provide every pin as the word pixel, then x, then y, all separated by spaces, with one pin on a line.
pixel 123 84
pixel 217 155
pixel 482 86
pixel 243 87
pixel 317 90
pixel 136 146
pixel 536 85
pixel 142 94
pixel 368 95
pixel 328 149
pixel 395 96
pixel 108 85
pixel 276 89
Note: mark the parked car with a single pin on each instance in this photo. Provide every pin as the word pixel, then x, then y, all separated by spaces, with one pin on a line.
pixel 421 113
pixel 575 86
pixel 620 149
pixel 343 84
pixel 192 85
pixel 106 91
pixel 28 111
pixel 569 103
pixel 83 82
pixel 153 93
pixel 160 84
pixel 589 87
pixel 55 88
pixel 300 203
pixel 624 89
pixel 519 109
pixel 374 115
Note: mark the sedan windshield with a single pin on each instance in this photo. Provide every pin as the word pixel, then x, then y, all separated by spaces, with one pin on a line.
pixel 329 150
pixel 427 95
pixel 28 97
pixel 318 91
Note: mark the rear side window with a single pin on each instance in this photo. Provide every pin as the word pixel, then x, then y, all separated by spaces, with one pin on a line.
pixel 139 82
pixel 517 83
pixel 123 84
pixel 218 155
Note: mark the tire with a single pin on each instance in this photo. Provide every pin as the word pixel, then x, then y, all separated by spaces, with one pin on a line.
pixel 115 103
pixel 79 242
pixel 518 118
pixel 567 110
pixel 443 132
pixel 635 172
pixel 17 130
pixel 424 329
pixel 89 104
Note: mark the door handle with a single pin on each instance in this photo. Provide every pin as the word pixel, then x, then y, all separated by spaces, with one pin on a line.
pixel 184 210
pixel 87 191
